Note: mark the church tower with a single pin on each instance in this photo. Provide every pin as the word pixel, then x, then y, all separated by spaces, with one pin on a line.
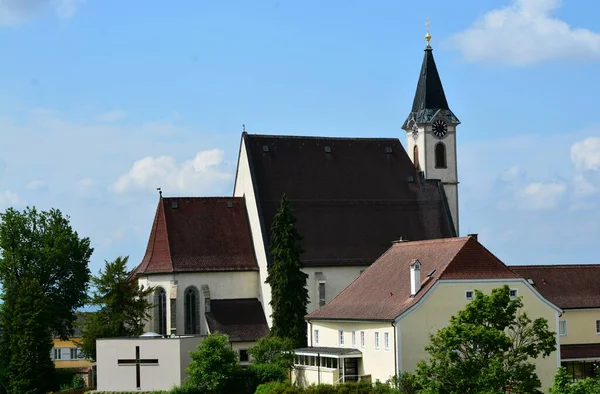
pixel 431 132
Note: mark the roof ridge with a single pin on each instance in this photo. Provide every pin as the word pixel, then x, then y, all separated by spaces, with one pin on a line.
pixel 432 241
pixel 576 265
pixel 204 198
pixel 282 136
pixel 439 276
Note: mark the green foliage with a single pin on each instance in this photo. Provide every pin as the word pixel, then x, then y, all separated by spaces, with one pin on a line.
pixel 346 388
pixel 287 281
pixel 405 383
pixel 42 245
pixel 564 385
pixel 123 306
pixel 29 369
pixel 213 364
pixel 273 350
pixel 486 349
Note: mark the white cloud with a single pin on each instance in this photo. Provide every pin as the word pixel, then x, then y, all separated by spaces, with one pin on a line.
pixel 10 199
pixel 512 173
pixel 540 196
pixel 111 116
pixel 37 185
pixel 583 187
pixel 525 32
pixel 15 12
pixel 586 154
pixel 192 176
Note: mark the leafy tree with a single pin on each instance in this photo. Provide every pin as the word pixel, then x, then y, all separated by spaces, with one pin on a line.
pixel 213 364
pixel 44 274
pixel 29 368
pixel 563 384
pixel 273 350
pixel 487 348
pixel 123 306
pixel 288 282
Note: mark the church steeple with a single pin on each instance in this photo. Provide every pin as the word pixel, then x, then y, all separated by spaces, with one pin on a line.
pixel 431 132
pixel 430 99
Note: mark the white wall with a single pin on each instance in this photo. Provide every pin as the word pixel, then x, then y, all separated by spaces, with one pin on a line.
pixel 336 280
pixel 244 188
pixel 172 355
pixel 222 285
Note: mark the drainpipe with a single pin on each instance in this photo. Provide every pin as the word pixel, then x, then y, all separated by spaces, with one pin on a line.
pixel 395 349
pixel 318 368
pixel 311 333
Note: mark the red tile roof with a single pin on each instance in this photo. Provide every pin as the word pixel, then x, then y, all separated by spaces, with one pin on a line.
pixel 192 234
pixel 243 319
pixel 588 350
pixel 566 286
pixel 362 183
pixel 383 291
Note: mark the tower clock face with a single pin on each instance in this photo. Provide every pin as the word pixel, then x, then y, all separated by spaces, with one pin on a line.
pixel 440 128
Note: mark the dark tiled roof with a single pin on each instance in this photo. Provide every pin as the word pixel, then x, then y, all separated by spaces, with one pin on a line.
pixel 566 286
pixel 350 203
pixel 243 320
pixel 590 350
pixel 429 96
pixel 382 292
pixel 199 234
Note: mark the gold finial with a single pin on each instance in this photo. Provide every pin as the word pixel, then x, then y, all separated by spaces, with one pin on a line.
pixel 428 35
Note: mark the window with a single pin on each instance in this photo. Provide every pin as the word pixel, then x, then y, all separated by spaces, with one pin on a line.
pixel 362 339
pixel 353 338
pixel 562 327
pixel 386 340
pixel 321 293
pixel 341 336
pixel 316 337
pixel 469 295
pixel 160 311
pixel 376 341
pixel 440 155
pixel 513 293
pixel 76 353
pixel 244 355
pixel 598 327
pixel 57 354
pixel 191 309
pixel 416 157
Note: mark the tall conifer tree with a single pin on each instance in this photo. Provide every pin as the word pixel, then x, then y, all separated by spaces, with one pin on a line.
pixel 288 283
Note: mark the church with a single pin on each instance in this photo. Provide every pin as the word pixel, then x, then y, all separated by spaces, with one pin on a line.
pixel 352 197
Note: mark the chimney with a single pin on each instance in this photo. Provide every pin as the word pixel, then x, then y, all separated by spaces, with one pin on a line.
pixel 415 277
pixel 474 236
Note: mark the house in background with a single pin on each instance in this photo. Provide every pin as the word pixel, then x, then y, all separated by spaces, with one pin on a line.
pixel 576 290
pixel 380 324
pixel 67 354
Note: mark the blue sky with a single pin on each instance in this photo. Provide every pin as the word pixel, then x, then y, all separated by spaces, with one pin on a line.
pixel 102 101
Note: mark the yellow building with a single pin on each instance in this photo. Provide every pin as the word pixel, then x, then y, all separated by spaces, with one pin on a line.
pixel 380 324
pixel 576 290
pixel 66 354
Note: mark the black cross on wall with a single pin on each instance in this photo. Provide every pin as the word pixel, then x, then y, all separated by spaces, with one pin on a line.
pixel 137 361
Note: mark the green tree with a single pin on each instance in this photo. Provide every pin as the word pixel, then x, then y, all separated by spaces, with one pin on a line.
pixel 213 364
pixel 288 283
pixel 123 306
pixel 563 384
pixel 273 350
pixel 487 348
pixel 40 252
pixel 29 368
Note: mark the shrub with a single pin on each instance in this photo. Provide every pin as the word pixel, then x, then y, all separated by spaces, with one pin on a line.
pixel 275 388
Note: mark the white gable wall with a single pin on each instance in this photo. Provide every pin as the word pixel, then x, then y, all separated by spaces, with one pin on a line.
pixel 222 286
pixel 244 188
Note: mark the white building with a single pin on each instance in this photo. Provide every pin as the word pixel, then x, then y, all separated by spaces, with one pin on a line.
pixel 143 363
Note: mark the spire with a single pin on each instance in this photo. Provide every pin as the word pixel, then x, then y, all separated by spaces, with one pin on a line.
pixel 429 97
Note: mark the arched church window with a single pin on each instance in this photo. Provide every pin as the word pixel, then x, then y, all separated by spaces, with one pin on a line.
pixel 160 311
pixel 416 156
pixel 440 155
pixel 191 309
